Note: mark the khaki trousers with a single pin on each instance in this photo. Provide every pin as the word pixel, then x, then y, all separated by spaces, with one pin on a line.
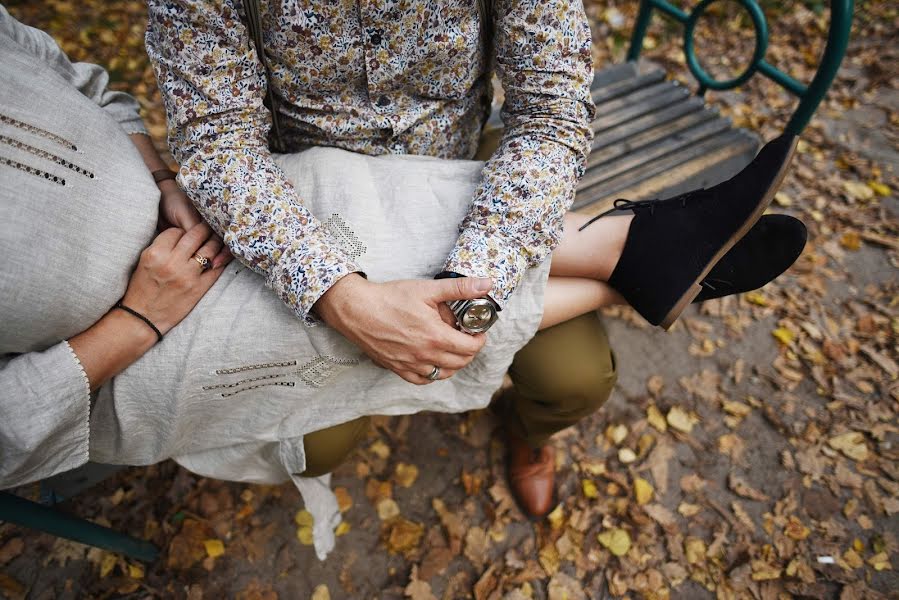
pixel 564 374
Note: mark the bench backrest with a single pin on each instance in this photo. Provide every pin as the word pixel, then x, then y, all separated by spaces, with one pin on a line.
pixel 809 95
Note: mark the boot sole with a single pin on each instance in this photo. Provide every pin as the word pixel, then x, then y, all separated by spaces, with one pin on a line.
pixel 687 298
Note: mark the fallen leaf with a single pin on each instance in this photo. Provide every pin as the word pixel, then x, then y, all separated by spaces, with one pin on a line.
pixel 135 571
pixel 11 549
pixel 565 587
pixel 344 499
pixel 784 336
pixel 626 456
pixel 476 546
pixel 680 420
pixel 417 589
pixel 852 444
pixel 321 592
pixel 387 509
pixel 858 191
pixel 402 535
pixel 742 488
pixel 214 548
pixel 879 188
pixel 655 418
pixel 589 488
pixel 617 541
pixel 405 474
pixel 795 529
pixel 642 490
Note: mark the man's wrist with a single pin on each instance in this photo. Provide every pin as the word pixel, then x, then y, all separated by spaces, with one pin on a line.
pixel 332 302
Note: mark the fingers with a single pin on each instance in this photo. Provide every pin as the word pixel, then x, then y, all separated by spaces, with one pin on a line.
pixel 168 238
pixel 459 288
pixel 192 239
pixel 422 379
pixel 222 258
pixel 209 250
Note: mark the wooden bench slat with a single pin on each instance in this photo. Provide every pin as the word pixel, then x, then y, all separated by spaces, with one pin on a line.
pixel 648 129
pixel 729 143
pixel 634 110
pixel 650 153
pixel 628 86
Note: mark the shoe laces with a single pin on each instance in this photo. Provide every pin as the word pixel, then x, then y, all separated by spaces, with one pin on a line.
pixel 639 205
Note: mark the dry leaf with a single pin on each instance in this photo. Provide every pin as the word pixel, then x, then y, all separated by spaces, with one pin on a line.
pixel 642 490
pixel 655 418
pixel 405 475
pixel 214 548
pixel 851 444
pixel 387 509
pixel 681 420
pixel 321 592
pixel 618 541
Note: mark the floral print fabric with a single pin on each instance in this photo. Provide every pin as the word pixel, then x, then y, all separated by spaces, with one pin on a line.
pixel 375 77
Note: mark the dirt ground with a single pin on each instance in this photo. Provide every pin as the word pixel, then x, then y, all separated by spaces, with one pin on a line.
pixel 751 452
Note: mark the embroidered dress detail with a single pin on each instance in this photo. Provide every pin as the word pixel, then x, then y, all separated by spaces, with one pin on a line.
pixel 242 382
pixel 345 236
pixel 287 363
pixel 32 171
pixel 38 131
pixel 259 385
pixel 318 371
pixel 44 154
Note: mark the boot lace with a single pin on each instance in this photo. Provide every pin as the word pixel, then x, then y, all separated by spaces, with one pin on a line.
pixel 622 204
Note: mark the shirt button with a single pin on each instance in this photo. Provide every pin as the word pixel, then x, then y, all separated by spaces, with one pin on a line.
pixel 375 39
pixel 383 101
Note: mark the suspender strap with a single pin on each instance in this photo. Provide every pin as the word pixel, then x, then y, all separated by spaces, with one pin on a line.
pixel 254 25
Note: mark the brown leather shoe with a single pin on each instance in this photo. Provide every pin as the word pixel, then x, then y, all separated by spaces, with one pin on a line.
pixel 532 476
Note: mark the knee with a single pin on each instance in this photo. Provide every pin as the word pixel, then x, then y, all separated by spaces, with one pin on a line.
pixel 569 368
pixel 328 448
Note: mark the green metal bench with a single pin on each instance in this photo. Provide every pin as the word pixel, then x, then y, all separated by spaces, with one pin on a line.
pixel 653 138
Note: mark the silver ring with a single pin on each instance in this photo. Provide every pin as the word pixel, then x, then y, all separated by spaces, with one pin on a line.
pixel 433 375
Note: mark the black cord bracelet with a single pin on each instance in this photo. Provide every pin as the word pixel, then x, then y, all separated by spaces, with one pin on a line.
pixel 141 317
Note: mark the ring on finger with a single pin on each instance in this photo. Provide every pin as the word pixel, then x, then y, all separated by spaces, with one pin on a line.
pixel 205 263
pixel 434 374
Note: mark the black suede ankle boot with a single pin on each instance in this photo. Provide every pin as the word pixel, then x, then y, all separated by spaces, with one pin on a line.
pixel 673 244
pixel 770 248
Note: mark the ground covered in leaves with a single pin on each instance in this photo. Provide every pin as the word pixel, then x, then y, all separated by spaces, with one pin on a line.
pixel 749 453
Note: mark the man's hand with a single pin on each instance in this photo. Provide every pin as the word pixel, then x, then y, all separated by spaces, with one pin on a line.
pixel 176 210
pixel 404 326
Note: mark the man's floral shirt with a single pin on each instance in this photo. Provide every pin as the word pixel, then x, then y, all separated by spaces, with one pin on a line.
pixel 376 77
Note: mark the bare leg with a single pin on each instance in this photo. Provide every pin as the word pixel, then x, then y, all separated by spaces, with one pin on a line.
pixel 569 297
pixel 593 252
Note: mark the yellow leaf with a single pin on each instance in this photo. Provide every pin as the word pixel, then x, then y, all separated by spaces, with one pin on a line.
pixel 342 529
pixel 107 564
pixel 618 541
pixel 880 561
pixel 380 449
pixel 387 509
pixel 784 336
pixel 879 188
pixel 858 545
pixel 688 510
pixel 852 444
pixel 796 530
pixel 304 534
pixel 852 559
pixel 135 572
pixel 858 191
pixel 406 474
pixel 616 433
pixel 762 571
pixel 344 500
pixel 655 418
pixel 680 419
pixel 642 490
pixel 589 488
pixel 850 241
pixel 756 298
pixel 557 517
pixel 695 550
pixel 214 548
pixel 321 592
pixel 303 518
pixel 627 456
pixel 783 199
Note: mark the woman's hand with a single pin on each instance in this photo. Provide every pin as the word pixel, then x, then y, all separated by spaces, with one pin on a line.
pixel 405 326
pixel 176 210
pixel 169 281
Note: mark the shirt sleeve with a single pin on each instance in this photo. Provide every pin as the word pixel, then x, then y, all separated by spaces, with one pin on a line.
pixel 45 403
pixel 544 62
pixel 213 86
pixel 91 80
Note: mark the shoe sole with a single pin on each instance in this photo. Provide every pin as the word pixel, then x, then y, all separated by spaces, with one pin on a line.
pixel 687 298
